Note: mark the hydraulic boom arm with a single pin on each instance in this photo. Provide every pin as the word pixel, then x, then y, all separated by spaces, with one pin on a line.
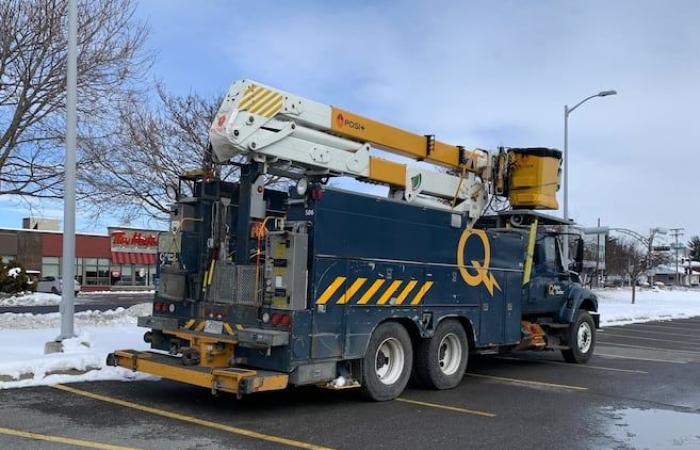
pixel 300 137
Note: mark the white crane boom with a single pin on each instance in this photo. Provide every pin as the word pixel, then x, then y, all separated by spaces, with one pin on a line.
pixel 278 129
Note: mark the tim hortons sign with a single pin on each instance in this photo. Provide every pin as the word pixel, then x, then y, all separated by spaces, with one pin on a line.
pixel 136 240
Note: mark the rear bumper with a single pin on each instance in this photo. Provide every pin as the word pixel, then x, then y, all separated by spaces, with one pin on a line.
pixel 234 380
pixel 244 336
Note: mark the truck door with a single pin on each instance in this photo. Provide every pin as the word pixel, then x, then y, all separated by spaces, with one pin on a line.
pixel 493 315
pixel 547 285
pixel 500 306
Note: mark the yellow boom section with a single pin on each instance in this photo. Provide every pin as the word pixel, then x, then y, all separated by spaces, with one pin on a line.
pixel 396 140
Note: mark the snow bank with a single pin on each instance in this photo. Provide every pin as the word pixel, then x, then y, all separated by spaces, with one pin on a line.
pixel 616 306
pixel 23 362
pixel 119 316
pixel 31 299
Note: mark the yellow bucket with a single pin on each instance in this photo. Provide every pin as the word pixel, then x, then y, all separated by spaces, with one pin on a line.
pixel 533 178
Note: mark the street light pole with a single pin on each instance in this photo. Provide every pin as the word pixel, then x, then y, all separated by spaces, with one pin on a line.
pixel 567 112
pixel 68 297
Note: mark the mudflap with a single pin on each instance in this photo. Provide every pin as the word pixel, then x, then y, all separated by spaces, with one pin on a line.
pixel 235 380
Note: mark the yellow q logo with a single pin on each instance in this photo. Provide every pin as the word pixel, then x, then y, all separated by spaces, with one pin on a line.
pixel 482 268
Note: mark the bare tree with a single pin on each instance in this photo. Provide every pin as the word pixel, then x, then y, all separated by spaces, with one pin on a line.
pixel 111 61
pixel 154 140
pixel 631 259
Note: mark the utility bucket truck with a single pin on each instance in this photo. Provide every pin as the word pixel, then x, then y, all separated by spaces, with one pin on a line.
pixel 261 289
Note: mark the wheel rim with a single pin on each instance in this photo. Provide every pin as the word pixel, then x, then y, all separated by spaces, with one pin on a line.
pixel 584 337
pixel 449 354
pixel 389 361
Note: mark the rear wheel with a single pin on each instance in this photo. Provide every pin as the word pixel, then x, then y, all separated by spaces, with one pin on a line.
pixel 54 290
pixel 442 360
pixel 386 366
pixel 581 339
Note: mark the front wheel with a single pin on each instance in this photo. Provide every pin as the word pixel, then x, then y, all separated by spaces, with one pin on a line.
pixel 386 366
pixel 581 339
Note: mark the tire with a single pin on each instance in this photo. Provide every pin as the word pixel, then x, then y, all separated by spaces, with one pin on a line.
pixel 442 360
pixel 580 338
pixel 54 290
pixel 387 364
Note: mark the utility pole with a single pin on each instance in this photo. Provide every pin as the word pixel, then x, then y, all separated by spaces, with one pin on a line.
pixel 676 233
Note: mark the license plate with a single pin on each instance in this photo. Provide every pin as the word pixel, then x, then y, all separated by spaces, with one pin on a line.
pixel 213 327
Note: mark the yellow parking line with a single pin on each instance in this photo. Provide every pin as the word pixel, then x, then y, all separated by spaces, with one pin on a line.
pixel 447 407
pixel 62 440
pixel 194 420
pixel 528 382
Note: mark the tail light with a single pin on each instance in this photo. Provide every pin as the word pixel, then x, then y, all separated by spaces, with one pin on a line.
pixel 275 319
pixel 280 319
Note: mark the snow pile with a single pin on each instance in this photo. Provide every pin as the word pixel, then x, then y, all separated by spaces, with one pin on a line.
pixel 119 316
pixel 616 308
pixel 14 272
pixel 31 299
pixel 23 362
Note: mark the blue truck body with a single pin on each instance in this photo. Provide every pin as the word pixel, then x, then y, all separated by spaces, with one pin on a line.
pixel 367 261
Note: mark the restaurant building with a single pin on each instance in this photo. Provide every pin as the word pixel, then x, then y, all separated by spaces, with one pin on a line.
pixel 124 258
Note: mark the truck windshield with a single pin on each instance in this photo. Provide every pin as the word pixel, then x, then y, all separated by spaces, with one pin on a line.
pixel 546 257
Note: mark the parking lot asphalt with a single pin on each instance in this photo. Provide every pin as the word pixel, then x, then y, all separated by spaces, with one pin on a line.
pixel 640 390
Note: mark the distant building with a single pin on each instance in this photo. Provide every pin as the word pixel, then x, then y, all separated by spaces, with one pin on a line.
pixel 41 223
pixel 123 258
pixel 691 277
pixel 666 274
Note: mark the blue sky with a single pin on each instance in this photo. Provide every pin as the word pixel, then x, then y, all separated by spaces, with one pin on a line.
pixel 478 74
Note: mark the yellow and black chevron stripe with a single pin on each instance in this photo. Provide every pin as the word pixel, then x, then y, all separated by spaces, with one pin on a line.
pixel 262 101
pixel 378 292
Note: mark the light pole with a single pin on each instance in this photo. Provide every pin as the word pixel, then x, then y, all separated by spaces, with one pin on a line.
pixel 568 111
pixel 67 307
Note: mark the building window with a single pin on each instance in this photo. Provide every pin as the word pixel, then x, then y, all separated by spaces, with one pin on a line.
pixel 50 266
pixel 133 275
pixel 96 271
pixel 79 270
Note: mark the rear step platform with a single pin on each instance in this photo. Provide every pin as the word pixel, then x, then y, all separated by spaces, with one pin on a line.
pixel 234 380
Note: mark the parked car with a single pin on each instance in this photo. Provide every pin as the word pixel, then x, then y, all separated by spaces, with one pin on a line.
pixel 54 285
